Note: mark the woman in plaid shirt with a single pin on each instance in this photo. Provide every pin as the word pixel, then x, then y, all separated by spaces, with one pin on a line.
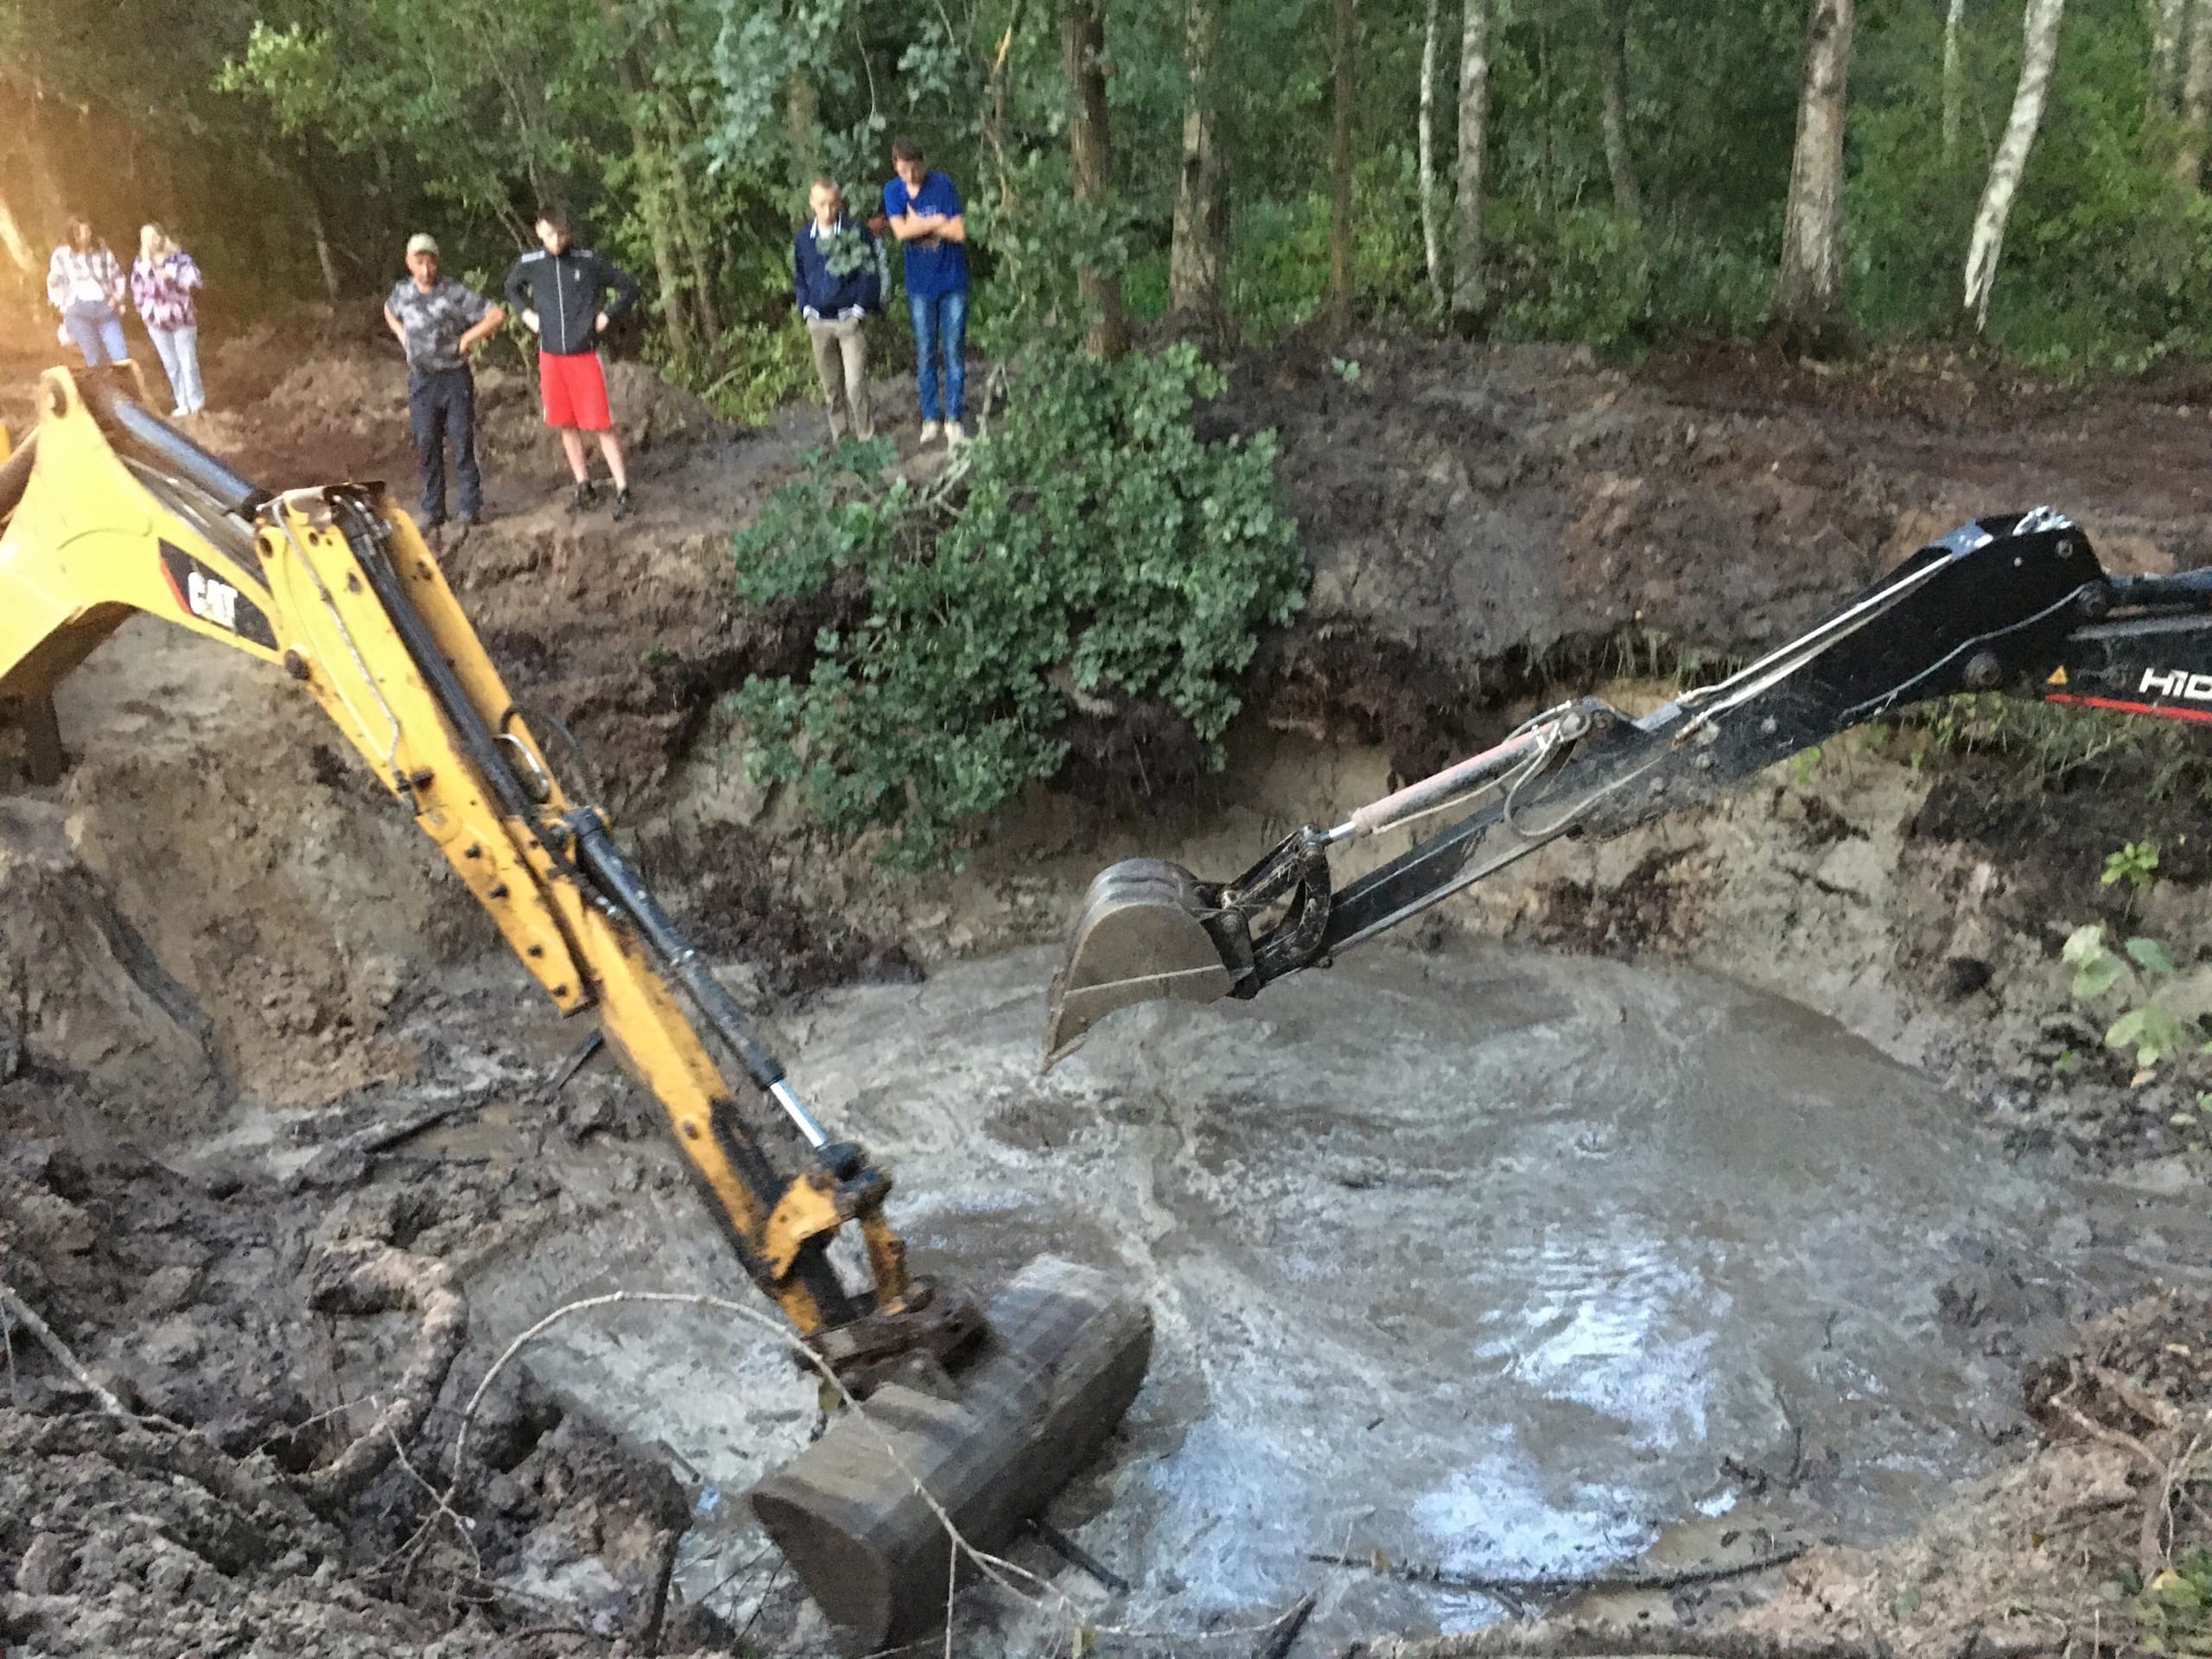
pixel 163 279
pixel 85 285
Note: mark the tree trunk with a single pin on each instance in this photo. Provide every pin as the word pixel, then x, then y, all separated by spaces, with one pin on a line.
pixel 1346 31
pixel 2195 95
pixel 322 258
pixel 1432 237
pixel 1954 18
pixel 803 126
pixel 652 184
pixel 2166 19
pixel 1468 296
pixel 2038 53
pixel 1083 54
pixel 1199 251
pixel 1613 41
pixel 692 237
pixel 17 244
pixel 1809 298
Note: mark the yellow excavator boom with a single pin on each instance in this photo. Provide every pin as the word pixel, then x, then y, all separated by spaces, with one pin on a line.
pixel 109 511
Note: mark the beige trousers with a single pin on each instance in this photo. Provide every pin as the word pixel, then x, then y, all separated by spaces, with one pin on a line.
pixel 841 359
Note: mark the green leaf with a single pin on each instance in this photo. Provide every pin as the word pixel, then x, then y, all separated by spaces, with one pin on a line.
pixel 2083 943
pixel 2151 955
pixel 2096 978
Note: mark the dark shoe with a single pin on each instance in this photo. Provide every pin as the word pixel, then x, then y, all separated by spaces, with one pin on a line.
pixel 585 497
pixel 471 521
pixel 621 504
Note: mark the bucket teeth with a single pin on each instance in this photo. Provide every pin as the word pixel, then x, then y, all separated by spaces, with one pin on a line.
pixel 1141 937
pixel 1065 1354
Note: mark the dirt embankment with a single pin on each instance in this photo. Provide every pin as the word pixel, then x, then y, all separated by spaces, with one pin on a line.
pixel 216 912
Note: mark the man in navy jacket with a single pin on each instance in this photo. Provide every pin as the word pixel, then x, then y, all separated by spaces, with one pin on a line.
pixel 837 272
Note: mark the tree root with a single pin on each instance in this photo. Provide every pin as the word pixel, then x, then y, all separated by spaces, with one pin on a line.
pixel 1558 1586
pixel 1545 1639
pixel 372 1278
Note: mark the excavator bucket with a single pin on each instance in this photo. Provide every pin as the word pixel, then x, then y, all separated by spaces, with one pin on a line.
pixel 1140 938
pixel 1065 1353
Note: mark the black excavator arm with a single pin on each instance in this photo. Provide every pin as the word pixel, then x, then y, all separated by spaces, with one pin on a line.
pixel 2018 604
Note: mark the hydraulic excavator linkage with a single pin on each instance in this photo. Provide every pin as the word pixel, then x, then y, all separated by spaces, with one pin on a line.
pixel 108 511
pixel 2017 604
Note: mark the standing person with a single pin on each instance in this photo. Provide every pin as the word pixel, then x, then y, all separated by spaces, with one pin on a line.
pixel 436 321
pixel 837 272
pixel 86 285
pixel 925 212
pixel 558 289
pixel 162 281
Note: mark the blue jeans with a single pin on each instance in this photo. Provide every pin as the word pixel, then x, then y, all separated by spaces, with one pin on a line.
pixel 441 405
pixel 180 352
pixel 98 332
pixel 940 318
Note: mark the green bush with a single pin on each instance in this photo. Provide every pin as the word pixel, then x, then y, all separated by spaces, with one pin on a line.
pixel 1093 545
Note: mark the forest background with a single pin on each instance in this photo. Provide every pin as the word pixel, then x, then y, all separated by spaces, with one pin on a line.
pixel 1627 174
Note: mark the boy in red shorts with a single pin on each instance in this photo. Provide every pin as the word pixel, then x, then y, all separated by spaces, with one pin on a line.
pixel 558 290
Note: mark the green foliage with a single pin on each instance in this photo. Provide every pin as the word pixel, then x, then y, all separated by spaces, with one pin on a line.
pixel 2067 745
pixel 2135 863
pixel 754 370
pixel 2173 1613
pixel 1094 545
pixel 2148 1026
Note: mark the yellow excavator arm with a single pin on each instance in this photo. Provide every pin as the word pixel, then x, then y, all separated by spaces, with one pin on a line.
pixel 337 588
pixel 107 512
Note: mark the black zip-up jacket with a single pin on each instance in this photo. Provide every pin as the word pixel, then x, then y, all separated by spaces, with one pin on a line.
pixel 564 289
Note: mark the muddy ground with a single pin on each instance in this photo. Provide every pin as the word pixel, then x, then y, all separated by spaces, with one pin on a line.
pixel 238 991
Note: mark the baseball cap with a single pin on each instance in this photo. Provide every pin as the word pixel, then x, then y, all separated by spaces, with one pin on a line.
pixel 422 242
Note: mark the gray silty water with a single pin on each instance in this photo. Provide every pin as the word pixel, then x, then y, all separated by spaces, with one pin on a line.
pixel 1488 1260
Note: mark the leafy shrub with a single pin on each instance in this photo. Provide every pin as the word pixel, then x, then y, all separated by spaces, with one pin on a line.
pixel 1094 543
pixel 2149 1022
pixel 750 373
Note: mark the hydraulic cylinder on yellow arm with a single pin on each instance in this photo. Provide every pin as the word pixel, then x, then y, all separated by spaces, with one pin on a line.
pixel 108 511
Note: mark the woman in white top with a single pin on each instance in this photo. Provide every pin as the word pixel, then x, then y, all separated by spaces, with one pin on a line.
pixel 86 285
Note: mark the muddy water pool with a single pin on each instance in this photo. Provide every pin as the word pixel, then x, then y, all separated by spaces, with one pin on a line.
pixel 1493 1260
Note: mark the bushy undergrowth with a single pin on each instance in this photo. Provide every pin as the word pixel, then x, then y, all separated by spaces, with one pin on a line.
pixel 1092 544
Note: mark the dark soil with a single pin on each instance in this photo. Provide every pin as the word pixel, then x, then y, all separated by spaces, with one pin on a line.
pixel 190 1298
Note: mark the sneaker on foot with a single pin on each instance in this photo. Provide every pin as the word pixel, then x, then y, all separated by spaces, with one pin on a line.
pixel 621 504
pixel 929 429
pixel 955 434
pixel 180 413
pixel 470 520
pixel 584 498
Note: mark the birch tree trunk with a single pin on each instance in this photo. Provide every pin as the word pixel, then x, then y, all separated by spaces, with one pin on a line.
pixel 1197 250
pixel 1954 77
pixel 1432 237
pixel 2166 17
pixel 1083 55
pixel 1809 298
pixel 2038 53
pixel 1346 32
pixel 651 183
pixel 1612 45
pixel 2195 95
pixel 1467 295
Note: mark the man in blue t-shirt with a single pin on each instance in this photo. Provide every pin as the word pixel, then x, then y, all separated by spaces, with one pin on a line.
pixel 925 214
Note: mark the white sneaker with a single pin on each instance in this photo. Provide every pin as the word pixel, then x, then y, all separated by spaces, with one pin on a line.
pixel 929 429
pixel 954 435
pixel 180 413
